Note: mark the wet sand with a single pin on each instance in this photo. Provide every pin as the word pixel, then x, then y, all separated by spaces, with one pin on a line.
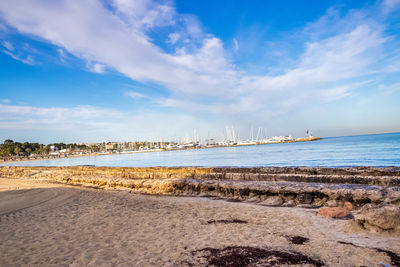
pixel 48 224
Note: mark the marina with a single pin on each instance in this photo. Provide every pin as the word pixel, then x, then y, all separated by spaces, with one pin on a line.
pixel 377 150
pixel 61 150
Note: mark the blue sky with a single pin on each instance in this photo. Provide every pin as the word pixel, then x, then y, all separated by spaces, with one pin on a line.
pixel 104 70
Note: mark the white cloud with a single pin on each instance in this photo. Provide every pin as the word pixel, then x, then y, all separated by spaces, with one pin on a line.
pixel 145 13
pixel 5 100
pixel 88 30
pixel 173 37
pixel 337 50
pixel 323 71
pixel 98 68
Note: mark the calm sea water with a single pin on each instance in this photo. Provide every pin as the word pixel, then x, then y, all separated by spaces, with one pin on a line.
pixel 377 150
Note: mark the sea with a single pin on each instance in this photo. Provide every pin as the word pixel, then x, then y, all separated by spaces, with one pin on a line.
pixel 378 150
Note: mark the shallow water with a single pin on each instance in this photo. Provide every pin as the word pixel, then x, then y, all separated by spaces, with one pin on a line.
pixel 377 150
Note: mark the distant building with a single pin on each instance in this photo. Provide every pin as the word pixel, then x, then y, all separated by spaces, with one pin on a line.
pixel 111 146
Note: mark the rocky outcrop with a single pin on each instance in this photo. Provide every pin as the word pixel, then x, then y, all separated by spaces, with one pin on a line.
pixel 379 218
pixel 360 175
pixel 279 193
pixel 275 186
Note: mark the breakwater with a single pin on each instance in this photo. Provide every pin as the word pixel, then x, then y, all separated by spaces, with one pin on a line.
pixel 275 186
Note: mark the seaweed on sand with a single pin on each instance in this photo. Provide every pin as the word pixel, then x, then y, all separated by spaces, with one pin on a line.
pixel 251 256
pixel 298 240
pixel 226 221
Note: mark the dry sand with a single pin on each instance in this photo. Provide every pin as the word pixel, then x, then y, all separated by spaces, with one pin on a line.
pixel 45 224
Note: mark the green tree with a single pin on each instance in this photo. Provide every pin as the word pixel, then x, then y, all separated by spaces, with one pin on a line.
pixel 17 150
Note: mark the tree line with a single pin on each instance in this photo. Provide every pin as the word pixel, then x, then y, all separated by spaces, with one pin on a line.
pixel 11 148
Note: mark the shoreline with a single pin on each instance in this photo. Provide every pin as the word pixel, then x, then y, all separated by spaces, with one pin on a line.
pixel 24 159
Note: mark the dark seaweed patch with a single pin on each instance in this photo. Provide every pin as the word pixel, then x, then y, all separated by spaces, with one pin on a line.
pixel 298 240
pixel 226 221
pixel 251 256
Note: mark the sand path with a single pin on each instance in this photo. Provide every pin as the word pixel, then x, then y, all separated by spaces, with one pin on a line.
pixel 44 224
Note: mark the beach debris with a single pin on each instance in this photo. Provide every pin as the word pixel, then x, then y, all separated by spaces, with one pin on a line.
pixel 379 218
pixel 336 213
pixel 250 256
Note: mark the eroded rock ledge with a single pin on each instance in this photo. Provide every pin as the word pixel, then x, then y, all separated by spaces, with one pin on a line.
pixel 310 187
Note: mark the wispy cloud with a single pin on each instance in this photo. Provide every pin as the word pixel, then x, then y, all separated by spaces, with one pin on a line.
pixel 83 112
pixel 390 89
pixel 235 45
pixel 96 67
pixel 24 117
pixel 8 45
pixel 145 14
pixel 134 95
pixel 173 37
pixel 62 55
pixel 24 54
pixel 390 6
pixel 29 60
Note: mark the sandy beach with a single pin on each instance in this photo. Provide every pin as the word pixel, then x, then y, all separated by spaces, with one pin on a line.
pixel 49 224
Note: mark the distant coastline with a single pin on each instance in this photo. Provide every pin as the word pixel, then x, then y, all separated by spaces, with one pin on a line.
pixel 95 154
